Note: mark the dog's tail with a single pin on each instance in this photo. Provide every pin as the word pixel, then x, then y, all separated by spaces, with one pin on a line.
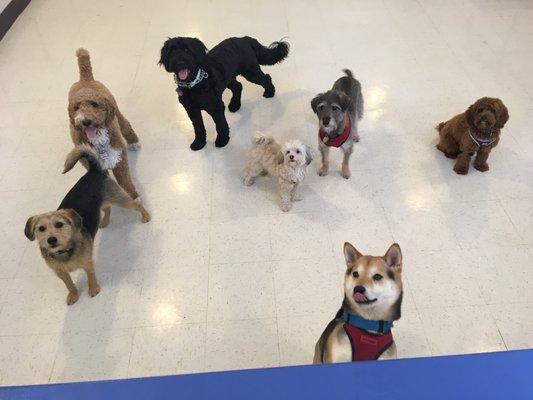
pixel 86 152
pixel 272 54
pixel 440 126
pixel 261 140
pixel 84 63
pixel 348 73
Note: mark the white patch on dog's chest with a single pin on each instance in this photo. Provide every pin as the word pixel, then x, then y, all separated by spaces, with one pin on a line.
pixel 108 155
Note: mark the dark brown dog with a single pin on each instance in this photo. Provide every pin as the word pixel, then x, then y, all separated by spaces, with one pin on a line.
pixel 476 131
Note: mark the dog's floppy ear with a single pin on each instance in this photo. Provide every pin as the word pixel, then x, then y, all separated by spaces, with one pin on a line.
pixel 109 111
pixel 165 53
pixel 393 256
pixel 469 114
pixel 280 158
pixel 351 255
pixel 308 155
pixel 502 114
pixel 74 218
pixel 316 101
pixel 29 229
pixel 345 101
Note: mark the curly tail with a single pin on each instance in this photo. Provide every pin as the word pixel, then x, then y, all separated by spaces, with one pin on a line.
pixel 83 151
pixel 84 64
pixel 348 73
pixel 272 54
pixel 262 140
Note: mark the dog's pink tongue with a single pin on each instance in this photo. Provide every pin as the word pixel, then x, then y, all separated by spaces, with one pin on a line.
pixel 183 74
pixel 359 297
pixel 91 132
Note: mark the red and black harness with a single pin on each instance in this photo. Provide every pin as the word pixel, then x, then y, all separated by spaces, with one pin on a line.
pixel 339 140
pixel 367 346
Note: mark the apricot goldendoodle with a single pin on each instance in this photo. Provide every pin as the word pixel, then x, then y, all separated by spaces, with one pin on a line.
pixel 95 119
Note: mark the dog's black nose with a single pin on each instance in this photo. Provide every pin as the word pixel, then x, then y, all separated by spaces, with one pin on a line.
pixel 359 289
pixel 326 120
pixel 86 122
pixel 52 240
pixel 291 157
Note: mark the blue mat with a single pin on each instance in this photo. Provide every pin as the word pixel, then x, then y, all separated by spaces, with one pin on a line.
pixel 481 376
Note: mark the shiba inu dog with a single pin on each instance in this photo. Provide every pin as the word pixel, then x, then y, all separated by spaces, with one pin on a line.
pixel 361 330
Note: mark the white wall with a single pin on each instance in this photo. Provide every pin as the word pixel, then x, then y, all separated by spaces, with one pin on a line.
pixel 3 4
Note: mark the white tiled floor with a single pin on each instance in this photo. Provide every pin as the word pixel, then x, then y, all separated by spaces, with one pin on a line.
pixel 221 278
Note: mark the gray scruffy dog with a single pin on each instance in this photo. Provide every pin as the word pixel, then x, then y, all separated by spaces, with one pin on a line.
pixel 338 110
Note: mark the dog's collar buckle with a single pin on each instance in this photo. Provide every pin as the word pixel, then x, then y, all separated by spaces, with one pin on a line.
pixel 200 76
pixel 366 324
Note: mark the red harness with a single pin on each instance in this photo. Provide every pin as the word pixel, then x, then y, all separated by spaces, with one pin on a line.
pixel 339 140
pixel 367 346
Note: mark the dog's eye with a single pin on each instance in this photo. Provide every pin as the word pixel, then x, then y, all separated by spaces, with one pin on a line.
pixel 297 151
pixel 479 110
pixel 288 151
pixel 321 107
pixel 42 228
pixel 377 277
pixel 335 108
pixel 355 274
pixel 59 225
pixel 94 104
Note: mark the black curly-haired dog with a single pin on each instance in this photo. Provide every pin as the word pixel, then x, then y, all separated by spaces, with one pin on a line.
pixel 202 76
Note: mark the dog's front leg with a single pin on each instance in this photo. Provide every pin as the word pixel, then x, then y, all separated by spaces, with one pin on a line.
pixel 195 115
pixel 94 288
pixel 345 170
pixel 296 194
pixel 324 151
pixel 480 163
pixel 285 190
pixel 463 163
pixel 72 290
pixel 222 126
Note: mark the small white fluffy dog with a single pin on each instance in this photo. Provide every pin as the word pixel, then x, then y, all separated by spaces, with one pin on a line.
pixel 288 163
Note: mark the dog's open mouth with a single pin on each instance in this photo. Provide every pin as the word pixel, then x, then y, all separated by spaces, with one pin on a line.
pixel 91 132
pixel 360 298
pixel 183 74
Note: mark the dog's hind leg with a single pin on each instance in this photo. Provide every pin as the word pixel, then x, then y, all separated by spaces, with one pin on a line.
pixel 251 171
pixel 127 131
pixel 236 90
pixel 106 208
pixel 258 77
pixel 115 195
pixel 122 174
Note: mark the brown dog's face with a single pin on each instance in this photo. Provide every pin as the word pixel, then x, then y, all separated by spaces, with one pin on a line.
pixel 89 111
pixel 55 231
pixel 487 113
pixel 373 285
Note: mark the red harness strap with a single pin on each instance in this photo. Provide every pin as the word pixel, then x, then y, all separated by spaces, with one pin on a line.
pixel 339 140
pixel 367 346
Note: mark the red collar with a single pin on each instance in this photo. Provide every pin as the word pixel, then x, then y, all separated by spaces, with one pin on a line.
pixel 339 140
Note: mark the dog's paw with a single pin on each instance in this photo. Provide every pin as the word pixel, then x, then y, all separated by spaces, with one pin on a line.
pixel 248 181
pixel 198 144
pixel 345 173
pixel 297 197
pixel 482 167
pixel 104 223
pixel 356 138
pixel 270 92
pixel 221 141
pixel 146 218
pixel 72 297
pixel 323 171
pixel 234 106
pixel 461 170
pixel 285 207
pixel 134 146
pixel 94 290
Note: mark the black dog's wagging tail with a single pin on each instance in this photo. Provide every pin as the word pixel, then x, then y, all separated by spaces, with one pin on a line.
pixel 348 73
pixel 84 63
pixel 272 54
pixel 86 152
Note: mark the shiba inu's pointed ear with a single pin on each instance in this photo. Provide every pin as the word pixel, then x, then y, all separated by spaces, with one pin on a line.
pixel 393 256
pixel 351 255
